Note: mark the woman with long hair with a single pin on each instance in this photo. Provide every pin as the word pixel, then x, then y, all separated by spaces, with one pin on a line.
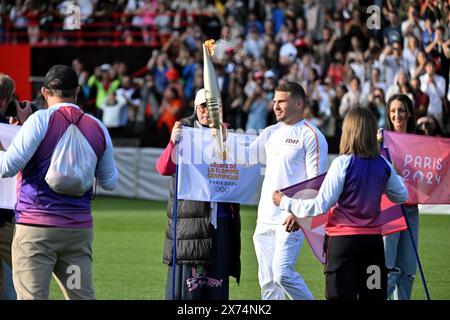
pixel 400 258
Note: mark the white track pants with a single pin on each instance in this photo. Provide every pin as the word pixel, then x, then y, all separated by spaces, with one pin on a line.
pixel 277 253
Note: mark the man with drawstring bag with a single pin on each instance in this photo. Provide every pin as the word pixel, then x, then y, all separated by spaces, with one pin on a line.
pixel 57 153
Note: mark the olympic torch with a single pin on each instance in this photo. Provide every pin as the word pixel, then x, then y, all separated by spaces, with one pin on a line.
pixel 212 95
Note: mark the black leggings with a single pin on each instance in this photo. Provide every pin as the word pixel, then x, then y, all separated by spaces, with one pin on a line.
pixel 355 268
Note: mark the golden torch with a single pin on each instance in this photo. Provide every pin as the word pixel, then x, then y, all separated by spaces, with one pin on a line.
pixel 212 95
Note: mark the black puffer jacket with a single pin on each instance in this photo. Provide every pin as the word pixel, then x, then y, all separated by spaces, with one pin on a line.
pixel 194 229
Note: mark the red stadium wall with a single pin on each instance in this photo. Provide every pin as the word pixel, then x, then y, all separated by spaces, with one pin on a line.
pixel 15 60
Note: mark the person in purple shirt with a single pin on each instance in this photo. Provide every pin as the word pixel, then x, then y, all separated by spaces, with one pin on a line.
pixel 53 232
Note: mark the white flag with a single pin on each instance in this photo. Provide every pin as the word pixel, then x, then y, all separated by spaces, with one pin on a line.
pixel 8 186
pixel 204 176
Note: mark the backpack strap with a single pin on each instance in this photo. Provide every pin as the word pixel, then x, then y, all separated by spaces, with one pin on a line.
pixel 76 122
pixel 79 119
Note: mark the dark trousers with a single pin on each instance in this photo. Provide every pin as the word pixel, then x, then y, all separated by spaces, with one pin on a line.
pixel 205 281
pixel 355 268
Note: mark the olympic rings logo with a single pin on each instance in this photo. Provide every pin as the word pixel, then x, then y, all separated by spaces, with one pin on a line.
pixel 222 190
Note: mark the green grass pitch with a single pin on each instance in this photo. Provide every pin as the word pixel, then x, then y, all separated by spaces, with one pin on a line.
pixel 128 247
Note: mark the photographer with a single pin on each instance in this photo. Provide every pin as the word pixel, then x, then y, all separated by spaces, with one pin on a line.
pixel 6 215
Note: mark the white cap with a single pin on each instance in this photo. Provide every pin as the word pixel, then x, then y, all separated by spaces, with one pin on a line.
pixel 105 67
pixel 269 74
pixel 200 97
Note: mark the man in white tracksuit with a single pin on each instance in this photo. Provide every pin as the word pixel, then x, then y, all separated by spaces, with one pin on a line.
pixel 293 150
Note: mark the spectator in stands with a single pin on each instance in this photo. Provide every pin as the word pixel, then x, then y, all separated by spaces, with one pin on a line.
pixel 376 104
pixel 421 61
pixel 163 23
pixel 373 83
pixel 86 10
pixel 19 22
pixel 393 32
pixel 421 99
pixel 427 33
pixel 308 70
pixel 158 64
pixel 322 49
pixel 439 50
pixel 173 77
pixel 53 231
pixel 401 80
pixel 271 55
pixel 311 114
pixel 413 26
pixel 218 247
pixel 410 53
pixel 357 28
pixel 278 16
pixel 114 106
pixel 321 106
pixel 33 16
pixel 433 85
pixel 288 51
pixel 150 102
pixel 103 15
pixel 337 68
pixel 170 110
pixel 392 60
pixel 128 91
pixel 429 10
pixel 234 114
pixel 236 30
pixel 254 23
pixel 120 68
pixel 257 107
pixel 253 43
pixel 148 13
pixel 352 98
pixel 83 76
pixel 104 84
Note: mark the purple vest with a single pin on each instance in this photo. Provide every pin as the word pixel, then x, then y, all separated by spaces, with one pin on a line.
pixel 358 206
pixel 37 204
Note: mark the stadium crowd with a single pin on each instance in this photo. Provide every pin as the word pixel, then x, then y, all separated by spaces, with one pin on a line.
pixel 345 53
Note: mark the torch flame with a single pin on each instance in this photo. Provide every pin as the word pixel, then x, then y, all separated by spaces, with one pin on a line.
pixel 209 44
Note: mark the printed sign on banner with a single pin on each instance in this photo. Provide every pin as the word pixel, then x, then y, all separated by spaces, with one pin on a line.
pixel 204 176
pixel 424 165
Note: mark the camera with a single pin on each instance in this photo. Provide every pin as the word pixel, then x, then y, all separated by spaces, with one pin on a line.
pixel 23 105
pixel 11 110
